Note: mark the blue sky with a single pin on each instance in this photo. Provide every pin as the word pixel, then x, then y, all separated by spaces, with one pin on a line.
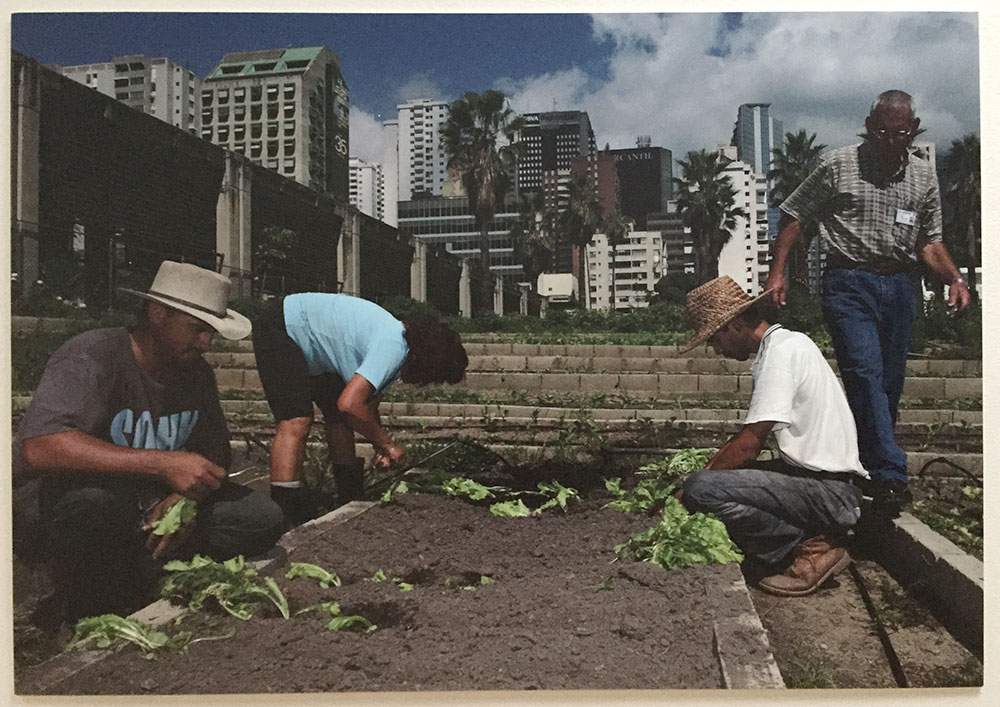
pixel 676 77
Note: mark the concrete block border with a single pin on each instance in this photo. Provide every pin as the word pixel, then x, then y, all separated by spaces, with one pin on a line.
pixel 953 580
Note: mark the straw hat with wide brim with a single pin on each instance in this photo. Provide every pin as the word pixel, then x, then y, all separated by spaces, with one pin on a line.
pixel 201 293
pixel 713 305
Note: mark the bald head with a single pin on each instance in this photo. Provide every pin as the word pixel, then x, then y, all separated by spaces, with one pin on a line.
pixel 894 101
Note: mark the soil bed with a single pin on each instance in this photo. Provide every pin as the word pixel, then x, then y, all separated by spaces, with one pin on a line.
pixel 560 612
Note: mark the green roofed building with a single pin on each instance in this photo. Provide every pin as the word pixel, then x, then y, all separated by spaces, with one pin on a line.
pixel 285 109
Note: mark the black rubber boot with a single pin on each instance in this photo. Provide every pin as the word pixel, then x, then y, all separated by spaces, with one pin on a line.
pixel 350 479
pixel 300 504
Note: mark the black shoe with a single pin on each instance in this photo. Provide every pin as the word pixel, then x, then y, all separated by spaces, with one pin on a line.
pixel 301 504
pixel 889 497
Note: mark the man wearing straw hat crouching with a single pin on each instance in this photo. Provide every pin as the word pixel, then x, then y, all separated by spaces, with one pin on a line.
pixel 789 514
pixel 123 424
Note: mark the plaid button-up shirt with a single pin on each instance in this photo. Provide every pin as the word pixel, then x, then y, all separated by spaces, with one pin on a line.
pixel 864 213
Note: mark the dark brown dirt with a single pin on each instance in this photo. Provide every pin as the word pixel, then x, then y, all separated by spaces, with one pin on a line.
pixel 543 623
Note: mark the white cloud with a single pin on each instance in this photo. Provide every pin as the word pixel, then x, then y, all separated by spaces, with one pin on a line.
pixel 367 136
pixel 421 85
pixel 819 71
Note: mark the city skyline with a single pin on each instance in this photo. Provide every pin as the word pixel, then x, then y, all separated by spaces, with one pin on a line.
pixel 678 78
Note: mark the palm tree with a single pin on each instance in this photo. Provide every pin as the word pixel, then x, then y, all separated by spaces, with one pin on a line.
pixel 580 221
pixel 963 202
pixel 790 165
pixel 706 199
pixel 532 236
pixel 616 227
pixel 271 254
pixel 480 140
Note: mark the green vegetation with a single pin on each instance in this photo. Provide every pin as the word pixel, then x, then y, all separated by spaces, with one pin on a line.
pixel 304 569
pixel 180 513
pixel 339 622
pixel 105 630
pixel 808 674
pixel 658 481
pixel 234 586
pixel 681 540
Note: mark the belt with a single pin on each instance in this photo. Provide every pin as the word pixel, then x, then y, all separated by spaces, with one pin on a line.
pixel 878 267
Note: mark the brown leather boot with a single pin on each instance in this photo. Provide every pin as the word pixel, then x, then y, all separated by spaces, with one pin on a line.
pixel 815 561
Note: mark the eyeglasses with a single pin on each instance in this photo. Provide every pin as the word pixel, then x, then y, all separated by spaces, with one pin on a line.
pixel 883 134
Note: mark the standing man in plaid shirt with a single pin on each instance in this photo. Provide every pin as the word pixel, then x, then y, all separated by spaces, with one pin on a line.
pixel 878 208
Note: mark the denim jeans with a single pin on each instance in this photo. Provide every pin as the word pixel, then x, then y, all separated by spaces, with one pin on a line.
pixel 870 318
pixel 768 512
pixel 91 531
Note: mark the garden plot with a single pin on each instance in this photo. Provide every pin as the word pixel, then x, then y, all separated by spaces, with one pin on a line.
pixel 467 600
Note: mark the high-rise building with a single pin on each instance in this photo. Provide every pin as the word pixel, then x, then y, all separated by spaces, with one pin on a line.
pixel 551 141
pixel 422 165
pixel 639 263
pixel 745 257
pixel 755 135
pixel 286 109
pixel 367 188
pixel 645 179
pixel 160 87
pixel 390 171
pixel 450 220
pixel 678 243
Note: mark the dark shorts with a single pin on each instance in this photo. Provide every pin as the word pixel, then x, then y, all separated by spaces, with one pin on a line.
pixel 284 373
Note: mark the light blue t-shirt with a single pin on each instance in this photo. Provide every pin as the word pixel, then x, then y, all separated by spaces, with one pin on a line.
pixel 346 335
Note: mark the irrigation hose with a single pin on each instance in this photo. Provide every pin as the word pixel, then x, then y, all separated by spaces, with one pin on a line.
pixel 883 636
pixel 949 462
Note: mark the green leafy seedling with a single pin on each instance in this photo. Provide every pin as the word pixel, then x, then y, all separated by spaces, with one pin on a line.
pixel 560 495
pixel 179 514
pixel 681 539
pixel 400 487
pixel 401 585
pixel 304 569
pixel 106 629
pixel 458 486
pixel 510 509
pixel 483 579
pixel 379 576
pixel 337 621
pixel 606 586
pixel 235 587
pixel 103 631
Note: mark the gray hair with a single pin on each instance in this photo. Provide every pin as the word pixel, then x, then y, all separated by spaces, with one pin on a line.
pixel 894 99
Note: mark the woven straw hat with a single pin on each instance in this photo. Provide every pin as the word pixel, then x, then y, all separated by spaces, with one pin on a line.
pixel 713 305
pixel 201 293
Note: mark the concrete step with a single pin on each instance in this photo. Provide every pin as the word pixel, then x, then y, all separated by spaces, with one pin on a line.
pixel 450 410
pixel 919 464
pixel 628 363
pixel 637 385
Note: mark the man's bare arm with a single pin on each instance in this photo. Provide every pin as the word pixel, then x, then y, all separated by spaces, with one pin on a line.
pixel 742 449
pixel 788 236
pixel 939 260
pixel 72 451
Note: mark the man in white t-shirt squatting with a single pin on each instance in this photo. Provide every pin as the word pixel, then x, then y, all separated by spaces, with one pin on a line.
pixel 790 514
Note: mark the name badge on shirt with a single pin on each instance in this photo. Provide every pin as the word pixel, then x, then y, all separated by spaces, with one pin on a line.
pixel 907 218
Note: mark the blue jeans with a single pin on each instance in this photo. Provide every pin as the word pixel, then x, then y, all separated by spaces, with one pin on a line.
pixel 870 318
pixel 768 512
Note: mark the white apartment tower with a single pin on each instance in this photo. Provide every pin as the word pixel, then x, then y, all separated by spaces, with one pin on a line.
pixel 639 263
pixel 367 188
pixel 285 109
pixel 745 256
pixel 422 164
pixel 160 87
